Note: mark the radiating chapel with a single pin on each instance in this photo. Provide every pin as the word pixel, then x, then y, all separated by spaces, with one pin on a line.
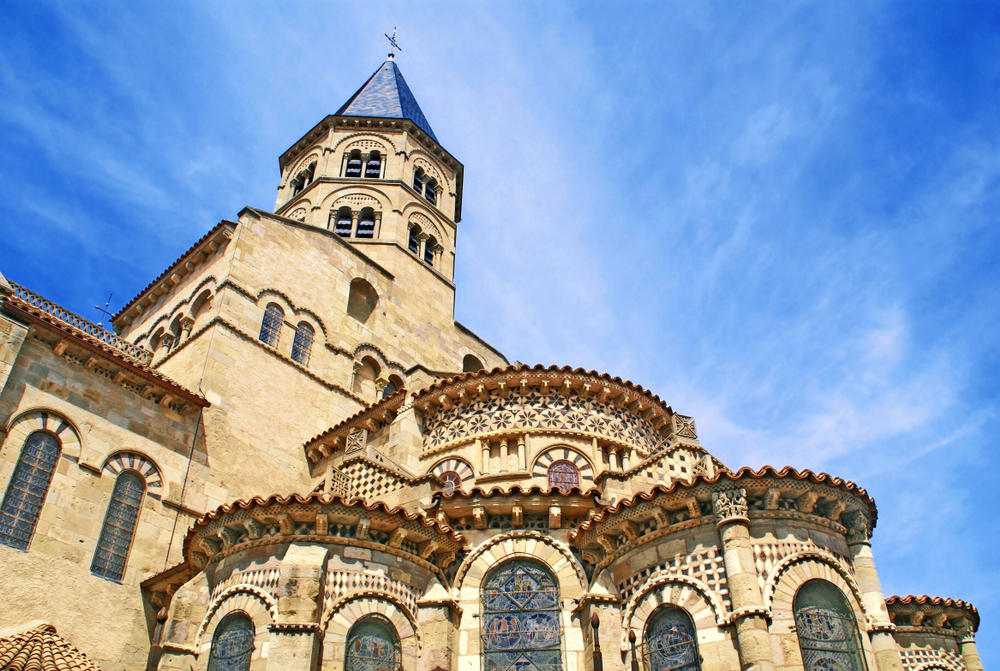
pixel 289 456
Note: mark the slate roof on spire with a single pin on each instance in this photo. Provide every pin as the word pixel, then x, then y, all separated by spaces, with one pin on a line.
pixel 386 94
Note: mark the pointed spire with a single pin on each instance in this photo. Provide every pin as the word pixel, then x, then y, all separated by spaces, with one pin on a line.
pixel 386 94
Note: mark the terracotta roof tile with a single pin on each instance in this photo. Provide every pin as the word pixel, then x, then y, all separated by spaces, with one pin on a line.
pixel 943 602
pixel 745 472
pixel 42 649
pixel 516 490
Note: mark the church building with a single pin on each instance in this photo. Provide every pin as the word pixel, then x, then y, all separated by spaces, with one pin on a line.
pixel 290 456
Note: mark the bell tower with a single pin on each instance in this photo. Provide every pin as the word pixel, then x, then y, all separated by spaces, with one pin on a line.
pixel 375 174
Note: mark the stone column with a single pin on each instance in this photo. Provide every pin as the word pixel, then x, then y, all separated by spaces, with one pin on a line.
pixel 504 465
pixel 522 465
pixel 881 632
pixel 752 639
pixel 423 244
pixel 378 222
pixel 967 645
pixel 625 460
pixel 355 217
pixel 612 460
pixel 294 634
pixel 486 457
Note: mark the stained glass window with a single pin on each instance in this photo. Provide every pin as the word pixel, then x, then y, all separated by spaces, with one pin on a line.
pixel 270 327
pixel 302 344
pixel 827 629
pixel 27 489
pixel 563 475
pixel 670 642
pixel 232 644
pixel 372 645
pixel 119 527
pixel 521 618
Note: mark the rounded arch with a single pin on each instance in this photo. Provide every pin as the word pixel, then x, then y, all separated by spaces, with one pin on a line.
pixel 826 627
pixel 455 465
pixel 424 161
pixel 312 155
pixel 147 469
pixel 358 140
pixel 670 640
pixel 471 363
pixel 23 424
pixel 795 569
pixel 550 455
pixel 255 602
pixel 356 196
pixel 557 556
pixel 346 611
pixel 689 594
pixel 425 224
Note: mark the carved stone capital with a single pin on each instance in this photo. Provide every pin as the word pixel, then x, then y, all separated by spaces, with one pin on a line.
pixel 730 505
pixel 857 527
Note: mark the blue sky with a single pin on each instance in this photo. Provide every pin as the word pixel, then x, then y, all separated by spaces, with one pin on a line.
pixel 780 217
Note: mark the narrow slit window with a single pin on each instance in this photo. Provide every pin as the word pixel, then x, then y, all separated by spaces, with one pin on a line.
pixel 429 251
pixel 27 489
pixel 302 345
pixel 418 181
pixel 119 527
pixel 413 243
pixel 270 327
pixel 430 193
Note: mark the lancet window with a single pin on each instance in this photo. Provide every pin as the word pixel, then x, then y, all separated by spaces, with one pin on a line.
pixel 302 345
pixel 521 618
pixel 418 180
pixel 413 242
pixel 827 629
pixel 119 527
pixel 430 192
pixel 564 475
pixel 372 645
pixel 670 643
pixel 232 644
pixel 28 487
pixel 270 327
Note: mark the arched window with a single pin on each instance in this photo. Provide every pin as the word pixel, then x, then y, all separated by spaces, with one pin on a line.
pixel 27 489
pixel 353 168
pixel 302 345
pixel 471 364
pixel 119 527
pixel 395 384
pixel 563 474
pixel 418 180
pixel 430 192
pixel 362 300
pixel 452 481
pixel 373 169
pixel 372 645
pixel 366 224
pixel 521 618
pixel 413 243
pixel 270 327
pixel 429 246
pixel 670 643
pixel 365 374
pixel 827 629
pixel 342 226
pixel 232 644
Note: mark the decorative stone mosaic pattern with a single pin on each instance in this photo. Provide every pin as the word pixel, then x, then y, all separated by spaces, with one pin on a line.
pixel 919 658
pixel 767 555
pixel 370 482
pixel 705 565
pixel 536 411
pixel 265 579
pixel 339 583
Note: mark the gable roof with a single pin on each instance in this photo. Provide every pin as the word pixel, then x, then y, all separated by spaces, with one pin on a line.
pixel 386 95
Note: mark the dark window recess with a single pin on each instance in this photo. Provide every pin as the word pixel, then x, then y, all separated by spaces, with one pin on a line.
pixel 366 228
pixel 374 169
pixel 353 168
pixel 414 242
pixel 418 183
pixel 343 227
pixel 431 195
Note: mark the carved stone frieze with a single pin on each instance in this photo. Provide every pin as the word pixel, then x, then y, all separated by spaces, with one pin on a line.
pixel 730 505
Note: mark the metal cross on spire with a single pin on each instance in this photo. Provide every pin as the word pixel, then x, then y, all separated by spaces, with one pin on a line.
pixel 392 41
pixel 105 310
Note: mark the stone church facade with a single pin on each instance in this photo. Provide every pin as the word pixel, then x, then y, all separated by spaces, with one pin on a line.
pixel 290 456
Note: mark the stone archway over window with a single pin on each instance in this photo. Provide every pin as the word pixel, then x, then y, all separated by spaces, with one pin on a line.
pixel 670 642
pixel 826 628
pixel 372 645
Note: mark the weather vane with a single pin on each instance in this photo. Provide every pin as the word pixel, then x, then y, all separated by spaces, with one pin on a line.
pixel 392 40
pixel 105 310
